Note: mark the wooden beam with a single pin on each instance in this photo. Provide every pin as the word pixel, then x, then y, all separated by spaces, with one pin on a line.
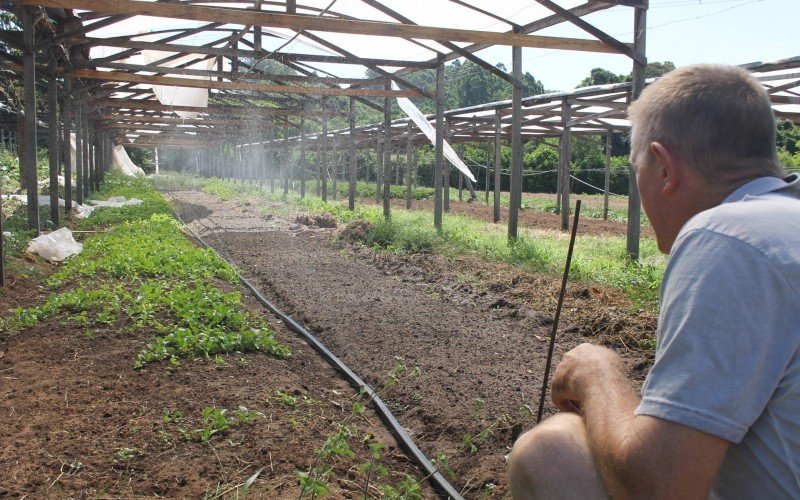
pixel 326 24
pixel 253 75
pixel 124 42
pixel 117 76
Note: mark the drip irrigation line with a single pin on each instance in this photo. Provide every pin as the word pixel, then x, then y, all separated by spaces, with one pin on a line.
pixel 439 483
pixel 558 312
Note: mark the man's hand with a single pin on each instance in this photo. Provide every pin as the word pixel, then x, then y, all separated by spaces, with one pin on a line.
pixel 580 370
pixel 627 449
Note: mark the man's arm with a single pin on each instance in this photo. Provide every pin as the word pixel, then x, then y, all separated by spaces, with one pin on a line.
pixel 638 456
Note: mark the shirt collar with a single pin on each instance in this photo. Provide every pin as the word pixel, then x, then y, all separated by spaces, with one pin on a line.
pixel 762 185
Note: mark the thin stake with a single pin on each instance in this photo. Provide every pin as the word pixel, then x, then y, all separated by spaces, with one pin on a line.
pixel 558 312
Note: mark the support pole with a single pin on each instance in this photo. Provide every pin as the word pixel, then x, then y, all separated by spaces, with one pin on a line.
pixel 564 160
pixel 515 199
pixel 303 165
pixel 29 82
pixel 335 166
pixel 409 166
pixel 607 180
pixel 378 165
pixel 634 203
pixel 351 193
pixel 79 155
pixel 437 169
pixel 67 120
pixel 156 155
pixel 287 162
pixel 446 171
pixel 487 179
pixel 86 153
pixel 324 164
pixel 498 157
pixel 53 144
pixel 387 151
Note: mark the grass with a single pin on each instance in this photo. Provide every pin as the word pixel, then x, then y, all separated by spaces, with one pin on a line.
pixel 597 259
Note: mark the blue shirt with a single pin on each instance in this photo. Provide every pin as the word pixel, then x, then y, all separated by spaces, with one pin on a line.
pixel 728 360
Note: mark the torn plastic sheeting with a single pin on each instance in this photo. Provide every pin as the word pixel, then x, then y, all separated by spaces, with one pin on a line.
pixel 55 246
pixel 116 202
pixel 44 200
pixel 121 160
pixel 180 96
pixel 417 117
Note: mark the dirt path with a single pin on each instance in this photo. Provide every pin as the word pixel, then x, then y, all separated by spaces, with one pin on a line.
pixel 476 331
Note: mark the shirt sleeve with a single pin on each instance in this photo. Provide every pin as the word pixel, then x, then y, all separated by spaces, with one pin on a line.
pixel 718 359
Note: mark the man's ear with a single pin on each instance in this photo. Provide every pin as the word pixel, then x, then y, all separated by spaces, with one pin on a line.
pixel 669 164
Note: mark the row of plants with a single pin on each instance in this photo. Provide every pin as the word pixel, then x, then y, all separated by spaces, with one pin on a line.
pixel 599 259
pixel 138 271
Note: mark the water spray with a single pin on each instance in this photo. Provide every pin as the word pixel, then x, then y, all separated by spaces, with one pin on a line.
pixel 558 312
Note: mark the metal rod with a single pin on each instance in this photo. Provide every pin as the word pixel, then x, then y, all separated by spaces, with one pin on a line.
pixel 558 312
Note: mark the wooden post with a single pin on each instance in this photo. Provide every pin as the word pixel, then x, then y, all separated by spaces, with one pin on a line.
pixel 387 172
pixel 564 160
pixel 67 120
pixel 2 249
pixel 634 203
pixel 607 180
pixel 515 199
pixel 351 194
pixel 335 166
pixel 29 154
pixel 498 157
pixel 437 169
pixel 86 153
pixel 302 158
pixel 324 165
pixel 287 164
pixel 446 170
pixel 397 180
pixel 488 178
pixel 53 143
pixel 79 155
pixel 156 158
pixel 378 165
pixel 409 166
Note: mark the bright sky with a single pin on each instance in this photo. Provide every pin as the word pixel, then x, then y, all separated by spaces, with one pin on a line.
pixel 681 31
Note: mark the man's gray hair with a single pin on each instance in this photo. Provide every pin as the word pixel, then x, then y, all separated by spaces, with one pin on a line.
pixel 718 119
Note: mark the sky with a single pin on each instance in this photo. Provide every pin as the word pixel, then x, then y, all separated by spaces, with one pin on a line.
pixel 681 31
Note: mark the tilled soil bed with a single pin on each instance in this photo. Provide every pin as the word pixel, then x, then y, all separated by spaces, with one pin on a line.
pixel 477 331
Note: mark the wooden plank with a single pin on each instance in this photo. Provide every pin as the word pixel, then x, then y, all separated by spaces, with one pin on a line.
pixel 253 75
pixel 326 24
pixel 117 76
pixel 125 42
pixel 594 31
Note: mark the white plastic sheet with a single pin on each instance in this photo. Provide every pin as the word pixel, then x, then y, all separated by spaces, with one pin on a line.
pixel 180 96
pixel 122 161
pixel 55 246
pixel 417 117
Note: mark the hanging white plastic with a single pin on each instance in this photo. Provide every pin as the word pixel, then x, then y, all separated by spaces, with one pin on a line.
pixel 417 117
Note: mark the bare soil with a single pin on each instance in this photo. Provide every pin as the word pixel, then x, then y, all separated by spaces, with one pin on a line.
pixel 72 403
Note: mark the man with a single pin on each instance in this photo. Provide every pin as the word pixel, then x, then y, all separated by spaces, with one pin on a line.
pixel 719 415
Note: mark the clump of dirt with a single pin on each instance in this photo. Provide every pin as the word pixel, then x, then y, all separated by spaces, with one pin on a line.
pixel 323 220
pixel 356 232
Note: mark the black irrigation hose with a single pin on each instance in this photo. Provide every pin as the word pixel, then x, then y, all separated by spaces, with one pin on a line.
pixel 439 483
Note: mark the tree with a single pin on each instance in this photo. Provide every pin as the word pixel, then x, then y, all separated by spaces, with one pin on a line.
pixel 600 76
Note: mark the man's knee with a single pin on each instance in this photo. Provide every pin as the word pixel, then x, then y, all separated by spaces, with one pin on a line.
pixel 551 456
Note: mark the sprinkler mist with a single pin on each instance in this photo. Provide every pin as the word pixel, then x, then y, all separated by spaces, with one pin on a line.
pixel 558 312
